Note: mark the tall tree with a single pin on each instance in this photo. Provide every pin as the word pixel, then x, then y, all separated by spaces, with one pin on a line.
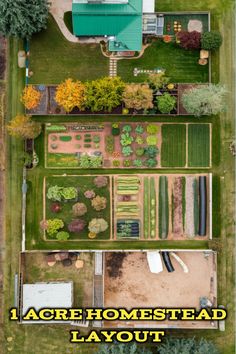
pixel 24 127
pixel 23 18
pixel 186 346
pixel 138 96
pixel 205 100
pixel 189 40
pixel 70 94
pixel 104 94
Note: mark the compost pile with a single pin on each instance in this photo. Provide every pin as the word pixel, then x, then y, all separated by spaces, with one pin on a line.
pixel 115 263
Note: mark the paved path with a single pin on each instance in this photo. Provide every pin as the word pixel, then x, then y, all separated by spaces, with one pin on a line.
pixel 57 9
pixel 112 67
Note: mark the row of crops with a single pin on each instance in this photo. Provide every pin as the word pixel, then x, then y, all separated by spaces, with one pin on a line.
pixel 127 208
pixel 175 207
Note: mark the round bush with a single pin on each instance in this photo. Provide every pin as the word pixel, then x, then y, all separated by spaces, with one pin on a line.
pixel 166 103
pixel 211 40
pixel 77 225
pixel 55 207
pixel 79 209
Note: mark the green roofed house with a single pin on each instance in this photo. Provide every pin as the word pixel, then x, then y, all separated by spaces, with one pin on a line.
pixel 120 21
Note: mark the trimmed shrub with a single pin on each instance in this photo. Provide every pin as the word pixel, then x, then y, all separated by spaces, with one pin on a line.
pixel 98 225
pixel 62 236
pixel 79 209
pixel 100 181
pixel 77 225
pixel 99 203
pixel 211 40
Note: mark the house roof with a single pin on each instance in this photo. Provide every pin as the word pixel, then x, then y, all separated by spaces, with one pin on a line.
pixel 121 21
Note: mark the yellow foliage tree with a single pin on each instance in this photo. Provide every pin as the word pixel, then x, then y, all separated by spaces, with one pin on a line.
pixel 30 97
pixel 24 127
pixel 70 94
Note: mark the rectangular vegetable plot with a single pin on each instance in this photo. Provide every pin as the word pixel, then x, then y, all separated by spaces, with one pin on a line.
pixel 199 145
pixel 173 149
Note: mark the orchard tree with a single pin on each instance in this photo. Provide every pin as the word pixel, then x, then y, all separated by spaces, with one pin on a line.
pixel 70 94
pixel 186 346
pixel 23 18
pixel 189 40
pixel 211 40
pixel 138 96
pixel 104 94
pixel 24 127
pixel 30 97
pixel 205 100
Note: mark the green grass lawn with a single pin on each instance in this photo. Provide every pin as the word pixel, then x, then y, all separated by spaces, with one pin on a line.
pixel 180 65
pixel 198 145
pixel 173 148
pixel 53 58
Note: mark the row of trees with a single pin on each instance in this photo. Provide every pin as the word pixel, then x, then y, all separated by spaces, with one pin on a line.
pixel 195 40
pixel 198 101
pixel 169 346
pixel 103 94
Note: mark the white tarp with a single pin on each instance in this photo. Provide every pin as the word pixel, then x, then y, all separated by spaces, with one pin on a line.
pixel 154 262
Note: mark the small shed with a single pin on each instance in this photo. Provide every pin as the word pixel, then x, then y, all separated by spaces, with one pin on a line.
pixel 46 295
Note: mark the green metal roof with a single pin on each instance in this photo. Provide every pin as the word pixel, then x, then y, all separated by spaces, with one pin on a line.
pixel 124 22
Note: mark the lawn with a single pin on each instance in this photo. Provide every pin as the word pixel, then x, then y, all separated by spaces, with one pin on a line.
pixel 179 64
pixel 82 184
pixel 173 149
pixel 53 58
pixel 198 145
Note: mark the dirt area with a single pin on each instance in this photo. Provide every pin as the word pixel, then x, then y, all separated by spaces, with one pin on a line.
pixel 138 287
pixel 195 25
pixel 37 270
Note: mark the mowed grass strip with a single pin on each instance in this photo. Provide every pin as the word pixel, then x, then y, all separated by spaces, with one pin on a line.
pixel 179 64
pixel 198 145
pixel 53 58
pixel 173 148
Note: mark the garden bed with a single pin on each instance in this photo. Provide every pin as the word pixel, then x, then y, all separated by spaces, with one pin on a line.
pixel 131 207
pixel 76 200
pixel 127 145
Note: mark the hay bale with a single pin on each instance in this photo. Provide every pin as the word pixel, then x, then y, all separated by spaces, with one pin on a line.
pixel 204 54
pixel 79 264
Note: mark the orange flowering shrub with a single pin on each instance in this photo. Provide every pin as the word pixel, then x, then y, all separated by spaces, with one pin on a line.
pixel 70 94
pixel 30 97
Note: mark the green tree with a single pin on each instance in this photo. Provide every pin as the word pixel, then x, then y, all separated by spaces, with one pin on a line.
pixel 24 127
pixel 205 100
pixel 166 103
pixel 104 94
pixel 186 346
pixel 211 40
pixel 158 80
pixel 127 348
pixel 23 18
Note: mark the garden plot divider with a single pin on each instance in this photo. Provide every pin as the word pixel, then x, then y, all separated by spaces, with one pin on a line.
pixel 128 145
pixel 140 207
